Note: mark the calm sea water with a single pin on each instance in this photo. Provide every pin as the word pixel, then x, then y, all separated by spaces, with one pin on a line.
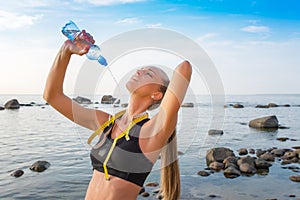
pixel 40 133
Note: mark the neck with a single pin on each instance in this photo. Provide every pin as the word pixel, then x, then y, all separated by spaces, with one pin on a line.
pixel 136 106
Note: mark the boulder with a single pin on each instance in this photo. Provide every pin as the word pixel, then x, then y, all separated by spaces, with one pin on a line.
pixel 231 172
pixel 109 99
pixel 39 166
pixel 248 159
pixel 217 166
pixel 82 100
pixel 215 132
pixel 265 122
pixel 262 164
pixel 218 154
pixel 12 104
pixel 242 151
pixel 247 168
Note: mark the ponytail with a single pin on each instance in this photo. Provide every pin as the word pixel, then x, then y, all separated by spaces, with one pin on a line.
pixel 170 177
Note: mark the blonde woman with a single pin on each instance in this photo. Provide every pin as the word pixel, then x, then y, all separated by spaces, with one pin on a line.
pixel 129 143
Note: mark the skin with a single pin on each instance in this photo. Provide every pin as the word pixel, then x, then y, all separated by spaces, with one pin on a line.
pixel 144 89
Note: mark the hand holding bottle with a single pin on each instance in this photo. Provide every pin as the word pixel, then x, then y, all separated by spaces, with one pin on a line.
pixel 84 42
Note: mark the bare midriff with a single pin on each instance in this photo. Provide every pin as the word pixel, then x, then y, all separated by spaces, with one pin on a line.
pixel 113 189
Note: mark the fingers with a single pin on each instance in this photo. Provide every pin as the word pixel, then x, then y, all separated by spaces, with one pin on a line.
pixel 86 37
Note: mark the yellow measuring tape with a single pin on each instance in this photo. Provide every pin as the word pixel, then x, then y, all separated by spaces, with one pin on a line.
pixel 124 133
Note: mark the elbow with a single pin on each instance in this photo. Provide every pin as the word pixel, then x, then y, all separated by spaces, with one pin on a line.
pixel 185 68
pixel 48 96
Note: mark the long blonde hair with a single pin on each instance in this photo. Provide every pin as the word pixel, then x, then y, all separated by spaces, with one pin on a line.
pixel 170 176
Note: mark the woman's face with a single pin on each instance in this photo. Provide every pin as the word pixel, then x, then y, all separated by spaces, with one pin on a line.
pixel 145 81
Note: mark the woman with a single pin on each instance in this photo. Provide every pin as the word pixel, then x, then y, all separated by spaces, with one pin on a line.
pixel 148 87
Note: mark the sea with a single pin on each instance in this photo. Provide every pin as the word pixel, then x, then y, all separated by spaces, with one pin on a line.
pixel 38 132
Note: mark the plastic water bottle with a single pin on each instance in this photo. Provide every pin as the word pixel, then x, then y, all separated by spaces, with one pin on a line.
pixel 71 31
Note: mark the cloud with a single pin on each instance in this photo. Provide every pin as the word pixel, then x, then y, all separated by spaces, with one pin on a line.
pixel 256 29
pixel 157 25
pixel 132 20
pixel 109 2
pixel 10 20
pixel 206 37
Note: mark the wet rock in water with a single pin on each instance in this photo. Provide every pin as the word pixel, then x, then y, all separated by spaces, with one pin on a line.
pixel 217 166
pixel 2 108
pixel 142 190
pixel 203 173
pixel 272 105
pixel 282 139
pixel 231 172
pixel 145 194
pixel 252 151
pixel 268 157
pixel 39 166
pixel 264 122
pixel 237 105
pixel 295 178
pixel 12 104
pixel 109 99
pixel 283 127
pixel 215 132
pixel 248 160
pixel 262 164
pixel 290 155
pixel 243 151
pixel 278 152
pixel 248 169
pixel 189 105
pixel 260 152
pixel 262 106
pixel 82 100
pixel 159 196
pixel 152 184
pixel 218 154
pixel 17 173
pixel 124 105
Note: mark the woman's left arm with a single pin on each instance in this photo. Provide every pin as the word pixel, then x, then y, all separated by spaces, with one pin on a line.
pixel 163 124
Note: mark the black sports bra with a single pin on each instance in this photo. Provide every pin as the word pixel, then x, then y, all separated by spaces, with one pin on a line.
pixel 127 160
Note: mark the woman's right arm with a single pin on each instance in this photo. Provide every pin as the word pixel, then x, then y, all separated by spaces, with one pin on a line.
pixel 54 95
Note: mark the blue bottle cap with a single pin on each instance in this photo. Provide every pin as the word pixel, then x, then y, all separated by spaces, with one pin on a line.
pixel 102 61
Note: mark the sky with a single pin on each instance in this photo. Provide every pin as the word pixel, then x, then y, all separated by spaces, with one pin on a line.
pixel 254 44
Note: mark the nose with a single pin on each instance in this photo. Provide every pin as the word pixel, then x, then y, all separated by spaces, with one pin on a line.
pixel 139 72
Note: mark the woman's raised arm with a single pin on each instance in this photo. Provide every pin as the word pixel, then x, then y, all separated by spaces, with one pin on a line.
pixel 54 95
pixel 163 124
